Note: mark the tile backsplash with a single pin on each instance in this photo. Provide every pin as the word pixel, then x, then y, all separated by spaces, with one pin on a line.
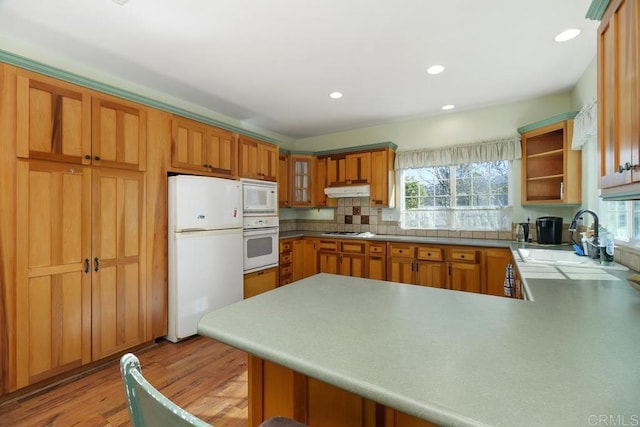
pixel 357 215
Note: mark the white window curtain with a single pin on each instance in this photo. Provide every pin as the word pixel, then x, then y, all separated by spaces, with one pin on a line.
pixel 585 125
pixel 481 218
pixel 487 151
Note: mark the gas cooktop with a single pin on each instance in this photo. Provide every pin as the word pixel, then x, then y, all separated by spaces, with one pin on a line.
pixel 349 233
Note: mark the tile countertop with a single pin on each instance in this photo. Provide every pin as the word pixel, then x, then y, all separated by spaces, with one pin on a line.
pixel 568 358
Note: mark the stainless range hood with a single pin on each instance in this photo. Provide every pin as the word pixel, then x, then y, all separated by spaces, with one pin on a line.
pixel 348 191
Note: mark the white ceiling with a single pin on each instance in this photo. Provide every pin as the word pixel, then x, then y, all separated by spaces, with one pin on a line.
pixel 271 64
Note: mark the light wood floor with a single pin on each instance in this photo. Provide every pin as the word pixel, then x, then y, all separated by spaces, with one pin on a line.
pixel 207 378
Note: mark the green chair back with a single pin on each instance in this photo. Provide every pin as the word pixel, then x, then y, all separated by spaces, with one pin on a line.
pixel 147 406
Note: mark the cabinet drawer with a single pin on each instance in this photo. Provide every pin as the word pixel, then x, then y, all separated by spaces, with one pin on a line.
pixel 328 245
pixel 285 280
pixel 285 258
pixel 285 269
pixel 468 255
pixel 430 253
pixel 401 250
pixel 353 247
pixel 286 246
pixel 377 248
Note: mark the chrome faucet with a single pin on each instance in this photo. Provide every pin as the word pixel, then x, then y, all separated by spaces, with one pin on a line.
pixel 596 226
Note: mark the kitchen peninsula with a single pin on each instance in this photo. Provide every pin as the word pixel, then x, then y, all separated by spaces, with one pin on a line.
pixel 453 358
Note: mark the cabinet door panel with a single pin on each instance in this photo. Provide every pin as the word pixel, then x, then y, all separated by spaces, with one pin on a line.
pixel 220 152
pixel 118 134
pixel 464 277
pixel 53 120
pixel 117 242
pixel 187 145
pixel 431 274
pixel 376 268
pixel 53 300
pixel 352 265
pixel 328 262
pixel 400 269
pixel 248 161
pixel 269 162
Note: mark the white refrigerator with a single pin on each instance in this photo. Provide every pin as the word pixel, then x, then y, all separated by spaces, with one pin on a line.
pixel 205 249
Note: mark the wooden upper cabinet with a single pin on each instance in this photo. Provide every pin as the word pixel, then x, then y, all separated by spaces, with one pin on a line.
pixel 119 133
pixel 118 261
pixel 382 178
pixel 283 181
pixel 302 172
pixel 203 148
pixel 257 159
pixel 347 169
pixel 63 122
pixel 358 168
pixel 53 298
pixel 618 96
pixel 320 182
pixel 53 119
pixel 551 170
pixel 221 152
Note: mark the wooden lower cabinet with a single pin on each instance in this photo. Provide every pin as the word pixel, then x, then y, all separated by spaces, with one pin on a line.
pixel 310 257
pixel 260 281
pixel 275 390
pixel 53 299
pixel 79 266
pixel 376 261
pixel 460 268
pixel 495 265
pixel 117 284
pixel 464 269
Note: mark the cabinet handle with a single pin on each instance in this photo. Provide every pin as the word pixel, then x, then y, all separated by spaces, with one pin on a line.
pixel 429 254
pixel 562 191
pixel 206 165
pixel 260 272
pixel 627 166
pixel 86 265
pixel 87 157
pixel 462 256
pixel 97 157
pixel 96 264
pixel 449 269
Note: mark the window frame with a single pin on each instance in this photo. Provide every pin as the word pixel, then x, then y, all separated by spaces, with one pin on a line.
pixel 453 208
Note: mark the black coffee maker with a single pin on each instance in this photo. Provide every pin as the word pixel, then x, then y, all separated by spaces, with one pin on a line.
pixel 549 230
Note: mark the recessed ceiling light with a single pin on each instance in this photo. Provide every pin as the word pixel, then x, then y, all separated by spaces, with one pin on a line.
pixel 335 95
pixel 567 35
pixel 435 69
pixel 448 107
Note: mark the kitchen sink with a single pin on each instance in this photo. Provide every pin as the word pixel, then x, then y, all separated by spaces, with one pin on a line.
pixel 564 258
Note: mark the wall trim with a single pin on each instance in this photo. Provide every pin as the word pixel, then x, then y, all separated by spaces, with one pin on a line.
pixel 596 9
pixel 547 122
pixel 57 73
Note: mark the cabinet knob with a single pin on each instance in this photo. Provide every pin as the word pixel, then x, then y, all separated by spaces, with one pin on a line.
pixel 87 157
pixel 97 157
pixel 206 165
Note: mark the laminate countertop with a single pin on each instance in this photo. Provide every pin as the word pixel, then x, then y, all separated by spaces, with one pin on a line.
pixel 569 357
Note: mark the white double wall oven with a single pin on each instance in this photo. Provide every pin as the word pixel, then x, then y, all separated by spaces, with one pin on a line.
pixel 260 225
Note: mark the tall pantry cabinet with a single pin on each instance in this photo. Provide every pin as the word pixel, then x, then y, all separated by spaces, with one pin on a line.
pixel 80 218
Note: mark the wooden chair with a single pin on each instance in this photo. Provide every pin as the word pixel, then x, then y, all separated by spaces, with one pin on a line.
pixel 149 407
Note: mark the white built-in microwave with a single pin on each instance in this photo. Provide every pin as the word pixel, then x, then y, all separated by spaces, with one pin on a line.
pixel 259 197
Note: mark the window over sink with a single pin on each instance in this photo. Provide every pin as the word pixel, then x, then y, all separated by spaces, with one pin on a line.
pixel 467 196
